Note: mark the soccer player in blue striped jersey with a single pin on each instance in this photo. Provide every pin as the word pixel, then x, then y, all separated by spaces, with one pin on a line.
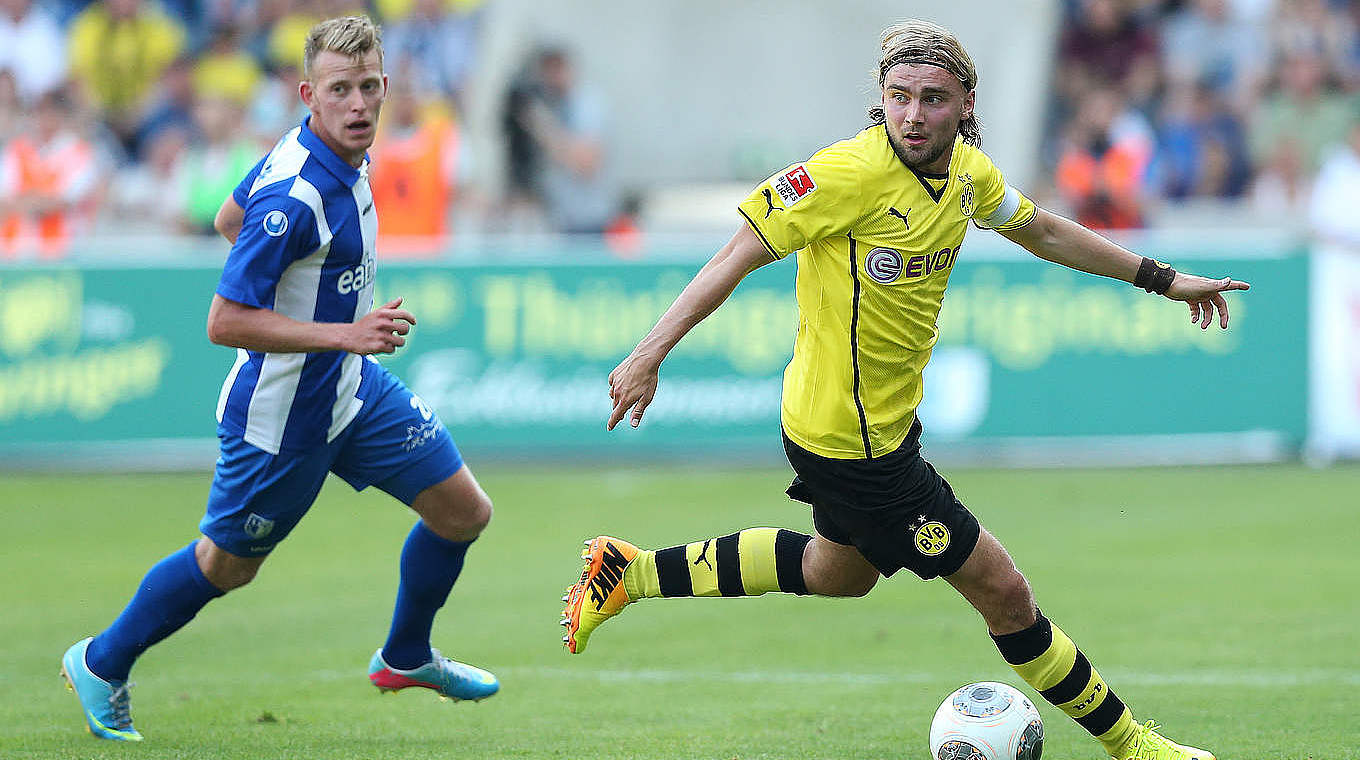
pixel 306 397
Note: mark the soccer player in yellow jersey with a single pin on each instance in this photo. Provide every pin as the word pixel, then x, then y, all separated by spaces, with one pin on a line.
pixel 876 222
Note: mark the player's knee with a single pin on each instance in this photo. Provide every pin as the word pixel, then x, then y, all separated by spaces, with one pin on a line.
pixel 226 571
pixel 848 582
pixel 462 519
pixel 229 579
pixel 479 515
pixel 860 584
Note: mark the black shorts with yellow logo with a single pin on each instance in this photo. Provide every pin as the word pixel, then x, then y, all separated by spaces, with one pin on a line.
pixel 896 509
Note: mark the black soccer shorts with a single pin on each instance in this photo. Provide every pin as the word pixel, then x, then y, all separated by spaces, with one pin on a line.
pixel 895 509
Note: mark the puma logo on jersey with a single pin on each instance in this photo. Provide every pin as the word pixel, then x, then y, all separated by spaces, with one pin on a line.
pixel 612 563
pixel 703 554
pixel 770 208
pixel 900 215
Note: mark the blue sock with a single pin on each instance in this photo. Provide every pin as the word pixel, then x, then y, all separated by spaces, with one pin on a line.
pixel 429 566
pixel 173 591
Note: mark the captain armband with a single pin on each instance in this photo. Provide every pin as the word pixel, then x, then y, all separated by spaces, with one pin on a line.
pixel 1154 276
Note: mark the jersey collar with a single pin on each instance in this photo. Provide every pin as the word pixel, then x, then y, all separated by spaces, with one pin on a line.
pixel 328 158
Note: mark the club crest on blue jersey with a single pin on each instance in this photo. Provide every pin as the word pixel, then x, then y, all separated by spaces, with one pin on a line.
pixel 275 223
pixel 258 527
pixel 883 265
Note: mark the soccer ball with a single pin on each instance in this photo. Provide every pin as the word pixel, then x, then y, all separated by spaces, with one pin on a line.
pixel 986 721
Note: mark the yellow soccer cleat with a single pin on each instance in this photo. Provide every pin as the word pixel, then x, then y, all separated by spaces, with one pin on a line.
pixel 599 595
pixel 1147 744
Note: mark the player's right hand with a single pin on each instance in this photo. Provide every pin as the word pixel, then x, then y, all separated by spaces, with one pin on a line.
pixel 632 386
pixel 380 331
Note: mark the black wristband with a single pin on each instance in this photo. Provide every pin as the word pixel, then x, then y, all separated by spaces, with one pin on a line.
pixel 1154 276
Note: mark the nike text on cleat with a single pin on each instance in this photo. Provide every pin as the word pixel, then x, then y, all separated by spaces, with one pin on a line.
pixel 599 594
pixel 448 679
pixel 107 708
pixel 1147 744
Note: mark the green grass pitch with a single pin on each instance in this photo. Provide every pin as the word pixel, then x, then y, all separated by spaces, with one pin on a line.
pixel 1220 601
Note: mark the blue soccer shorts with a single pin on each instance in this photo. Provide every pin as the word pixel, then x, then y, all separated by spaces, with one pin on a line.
pixel 395 443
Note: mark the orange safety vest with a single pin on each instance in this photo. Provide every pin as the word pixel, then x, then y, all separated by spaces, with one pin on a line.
pixel 411 189
pixel 46 169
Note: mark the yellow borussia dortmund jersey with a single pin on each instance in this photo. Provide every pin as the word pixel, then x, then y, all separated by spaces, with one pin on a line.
pixel 876 242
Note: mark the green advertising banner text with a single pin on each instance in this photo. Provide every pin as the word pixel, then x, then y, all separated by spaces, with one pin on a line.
pixel 515 357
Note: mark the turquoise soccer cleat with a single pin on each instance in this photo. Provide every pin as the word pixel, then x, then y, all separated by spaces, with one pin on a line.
pixel 449 679
pixel 106 705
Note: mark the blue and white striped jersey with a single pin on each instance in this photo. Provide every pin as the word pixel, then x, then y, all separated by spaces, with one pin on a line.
pixel 305 251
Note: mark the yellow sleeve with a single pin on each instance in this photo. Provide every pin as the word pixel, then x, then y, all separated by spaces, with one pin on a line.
pixel 806 202
pixel 999 206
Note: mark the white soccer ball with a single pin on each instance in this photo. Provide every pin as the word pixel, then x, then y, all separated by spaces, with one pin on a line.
pixel 986 721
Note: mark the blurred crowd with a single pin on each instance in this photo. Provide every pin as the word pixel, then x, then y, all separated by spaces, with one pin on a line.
pixel 139 116
pixel 1162 102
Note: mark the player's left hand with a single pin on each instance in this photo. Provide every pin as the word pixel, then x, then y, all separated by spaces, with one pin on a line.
pixel 1203 296
pixel 632 386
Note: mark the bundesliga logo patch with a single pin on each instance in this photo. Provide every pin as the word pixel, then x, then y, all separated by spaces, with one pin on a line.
pixel 794 185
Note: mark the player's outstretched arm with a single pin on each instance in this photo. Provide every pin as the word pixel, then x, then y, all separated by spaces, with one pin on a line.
pixel 237 325
pixel 632 384
pixel 1063 241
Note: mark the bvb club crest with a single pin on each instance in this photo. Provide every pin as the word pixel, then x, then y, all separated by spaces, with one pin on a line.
pixel 931 539
pixel 967 202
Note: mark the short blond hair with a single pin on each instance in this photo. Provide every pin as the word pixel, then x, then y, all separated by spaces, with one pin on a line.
pixel 918 41
pixel 353 36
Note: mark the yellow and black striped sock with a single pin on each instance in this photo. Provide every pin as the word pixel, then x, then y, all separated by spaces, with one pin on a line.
pixel 747 563
pixel 1049 661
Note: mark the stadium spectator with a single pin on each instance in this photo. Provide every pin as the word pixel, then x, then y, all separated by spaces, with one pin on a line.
pixel 1331 214
pixel 1106 42
pixel 1204 43
pixel 172 106
pixel 1201 146
pixel 436 44
pixel 415 172
pixel 1103 162
pixel 275 107
pixel 286 35
pixel 48 183
pixel 1334 287
pixel 32 46
pixel 1310 27
pixel 138 193
pixel 1303 109
pixel 11 107
pixel 118 51
pixel 226 69
pixel 214 162
pixel 1281 187
pixel 555 137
